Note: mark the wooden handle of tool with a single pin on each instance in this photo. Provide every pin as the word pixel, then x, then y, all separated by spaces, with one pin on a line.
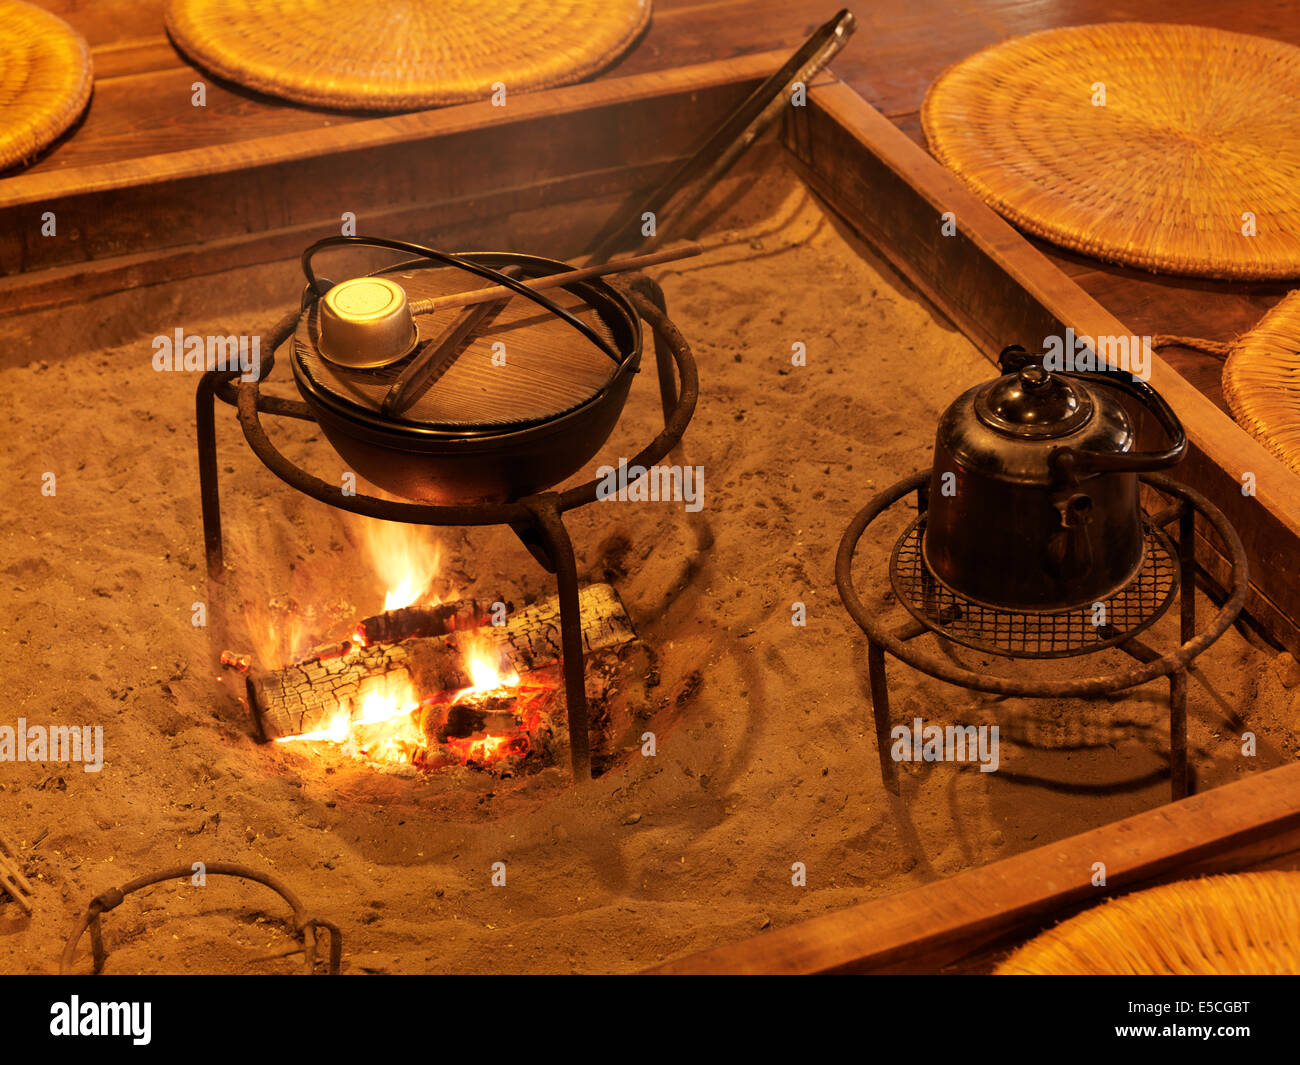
pixel 496 292
pixel 433 356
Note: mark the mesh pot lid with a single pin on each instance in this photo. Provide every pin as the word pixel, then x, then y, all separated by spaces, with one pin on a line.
pixel 526 367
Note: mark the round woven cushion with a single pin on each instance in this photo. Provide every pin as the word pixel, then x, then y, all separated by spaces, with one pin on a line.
pixel 1199 127
pixel 392 55
pixel 45 80
pixel 1261 380
pixel 1244 923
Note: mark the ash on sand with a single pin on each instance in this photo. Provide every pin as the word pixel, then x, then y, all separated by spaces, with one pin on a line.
pixel 765 754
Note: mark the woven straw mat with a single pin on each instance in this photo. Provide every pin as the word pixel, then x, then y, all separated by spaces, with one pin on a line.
pixel 394 55
pixel 45 80
pixel 1197 143
pixel 1244 923
pixel 1261 380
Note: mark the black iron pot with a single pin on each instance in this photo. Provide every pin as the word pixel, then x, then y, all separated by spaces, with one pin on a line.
pixel 444 466
pixel 1033 499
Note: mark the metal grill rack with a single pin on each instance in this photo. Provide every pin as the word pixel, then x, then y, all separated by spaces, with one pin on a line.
pixel 1025 634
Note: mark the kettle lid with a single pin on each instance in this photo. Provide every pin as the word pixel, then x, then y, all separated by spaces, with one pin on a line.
pixel 1033 402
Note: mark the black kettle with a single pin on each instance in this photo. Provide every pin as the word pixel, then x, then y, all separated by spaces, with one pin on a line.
pixel 1033 502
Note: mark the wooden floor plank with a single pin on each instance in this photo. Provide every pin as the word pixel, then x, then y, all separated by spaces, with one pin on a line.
pixel 901 46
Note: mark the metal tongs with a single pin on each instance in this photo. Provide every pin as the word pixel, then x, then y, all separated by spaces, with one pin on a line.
pixel 677 196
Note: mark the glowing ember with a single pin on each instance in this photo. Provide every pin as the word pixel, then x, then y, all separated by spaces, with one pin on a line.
pixel 482 750
pixel 487 723
pixel 383 725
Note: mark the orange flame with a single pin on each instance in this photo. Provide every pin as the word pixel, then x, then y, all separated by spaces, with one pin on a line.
pixel 386 721
pixel 277 637
pixel 404 557
pixel 382 724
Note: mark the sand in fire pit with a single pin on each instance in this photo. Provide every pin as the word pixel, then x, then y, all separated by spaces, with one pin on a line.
pixel 764 750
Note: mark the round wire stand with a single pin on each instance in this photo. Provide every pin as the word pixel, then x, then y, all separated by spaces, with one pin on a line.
pixel 1185 506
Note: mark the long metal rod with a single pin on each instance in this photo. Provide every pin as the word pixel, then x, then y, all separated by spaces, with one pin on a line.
pixel 693 179
pixel 433 304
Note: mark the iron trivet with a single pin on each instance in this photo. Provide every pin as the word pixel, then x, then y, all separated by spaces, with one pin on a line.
pixel 1168 572
pixel 537 519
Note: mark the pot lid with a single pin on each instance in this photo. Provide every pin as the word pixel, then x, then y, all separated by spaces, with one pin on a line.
pixel 1034 403
pixel 526 366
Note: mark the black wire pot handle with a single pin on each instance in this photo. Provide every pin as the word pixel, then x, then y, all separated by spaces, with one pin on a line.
pixel 316 288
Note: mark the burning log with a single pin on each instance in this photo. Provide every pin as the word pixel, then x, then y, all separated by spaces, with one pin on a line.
pixel 306 696
pixel 394 626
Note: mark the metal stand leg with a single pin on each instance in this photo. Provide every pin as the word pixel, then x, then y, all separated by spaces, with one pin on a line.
pixel 1179 776
pixel 205 402
pixel 1187 574
pixel 560 549
pixel 664 364
pixel 880 711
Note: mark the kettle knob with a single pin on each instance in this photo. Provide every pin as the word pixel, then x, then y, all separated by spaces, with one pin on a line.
pixel 1032 377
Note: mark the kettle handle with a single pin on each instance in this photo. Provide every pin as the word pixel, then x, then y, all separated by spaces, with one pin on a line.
pixel 1073 462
